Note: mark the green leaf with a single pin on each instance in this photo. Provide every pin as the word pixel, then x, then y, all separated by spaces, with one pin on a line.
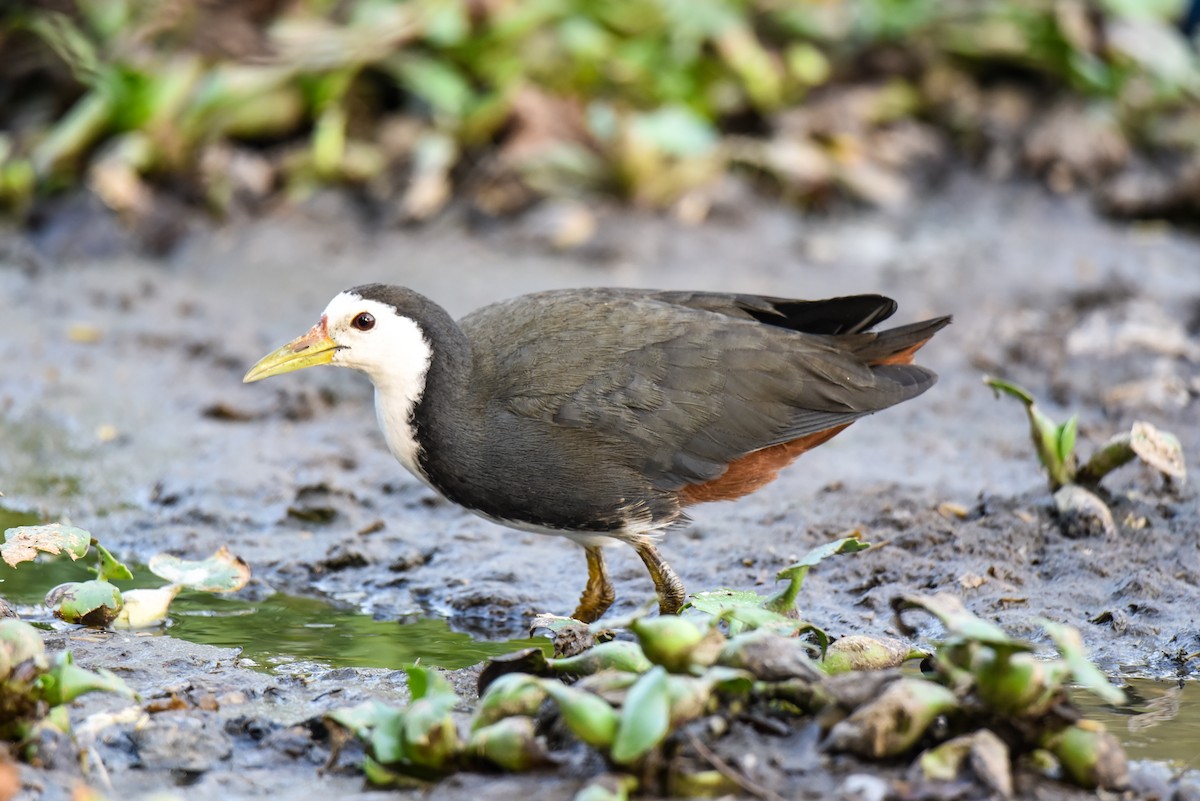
pixel 1000 386
pixel 1017 683
pixel 377 725
pixel 1070 645
pixel 19 642
pixel 1045 434
pixel 750 618
pixel 510 743
pixel 381 776
pixel 808 64
pixel 446 23
pixel 69 43
pixel 329 130
pixel 1162 10
pixel 386 739
pixel 360 719
pixel 757 68
pixel 676 131
pixel 87 121
pixel 426 682
pixel 715 602
pixel 784 601
pixel 1067 433
pixel 742 610
pixel 22 543
pixel 221 572
pixel 818 633
pixel 614 655
pixel 109 568
pixel 749 610
pixel 88 603
pixel 65 681
pixel 1050 441
pixel 511 694
pixel 591 718
pixel 677 643
pixel 436 82
pixel 645 717
pixel 57 718
pixel 959 622
pixel 851 543
pixel 107 18
pixel 429 733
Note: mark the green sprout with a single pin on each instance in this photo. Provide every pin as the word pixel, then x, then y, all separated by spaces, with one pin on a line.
pixel 1081 511
pixel 743 609
pixel 1055 445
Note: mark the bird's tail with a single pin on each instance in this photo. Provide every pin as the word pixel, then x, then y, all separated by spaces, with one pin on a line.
pixel 899 345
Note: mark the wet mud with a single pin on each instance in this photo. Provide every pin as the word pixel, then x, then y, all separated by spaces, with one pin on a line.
pixel 122 408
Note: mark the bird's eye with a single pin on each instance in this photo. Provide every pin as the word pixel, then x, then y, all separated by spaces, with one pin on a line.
pixel 364 321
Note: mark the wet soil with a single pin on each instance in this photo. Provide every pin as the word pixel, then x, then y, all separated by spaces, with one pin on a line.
pixel 122 408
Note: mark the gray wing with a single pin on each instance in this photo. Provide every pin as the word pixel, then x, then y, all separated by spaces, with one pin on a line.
pixel 684 383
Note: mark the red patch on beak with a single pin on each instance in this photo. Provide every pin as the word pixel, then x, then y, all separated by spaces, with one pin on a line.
pixel 318 333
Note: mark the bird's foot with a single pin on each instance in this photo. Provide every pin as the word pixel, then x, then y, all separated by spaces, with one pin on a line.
pixel 599 594
pixel 671 592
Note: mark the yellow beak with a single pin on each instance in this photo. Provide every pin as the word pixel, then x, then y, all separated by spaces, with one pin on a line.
pixel 312 349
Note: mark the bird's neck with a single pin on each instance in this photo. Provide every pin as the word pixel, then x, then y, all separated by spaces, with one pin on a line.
pixel 420 406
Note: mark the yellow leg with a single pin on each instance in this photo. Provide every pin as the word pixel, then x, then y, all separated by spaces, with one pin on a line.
pixel 599 594
pixel 671 593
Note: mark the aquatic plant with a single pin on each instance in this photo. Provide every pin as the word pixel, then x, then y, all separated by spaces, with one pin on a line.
pixel 36 689
pixel 98 602
pixel 985 701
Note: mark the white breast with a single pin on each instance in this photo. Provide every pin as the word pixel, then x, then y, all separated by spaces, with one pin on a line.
pixel 394 420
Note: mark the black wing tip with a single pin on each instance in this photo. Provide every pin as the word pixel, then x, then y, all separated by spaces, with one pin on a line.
pixel 849 314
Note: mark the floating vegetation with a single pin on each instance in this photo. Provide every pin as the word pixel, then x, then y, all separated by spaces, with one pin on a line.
pixel 98 602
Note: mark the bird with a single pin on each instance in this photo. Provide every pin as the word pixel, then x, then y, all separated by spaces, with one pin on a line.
pixel 601 414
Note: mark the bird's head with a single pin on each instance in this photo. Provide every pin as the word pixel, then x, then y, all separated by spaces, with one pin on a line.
pixel 366 328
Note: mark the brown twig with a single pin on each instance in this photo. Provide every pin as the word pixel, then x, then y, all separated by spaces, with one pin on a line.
pixel 732 773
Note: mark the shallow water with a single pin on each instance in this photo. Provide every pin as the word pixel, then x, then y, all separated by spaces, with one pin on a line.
pixel 1161 722
pixel 282 629
pixel 278 632
pixel 11 517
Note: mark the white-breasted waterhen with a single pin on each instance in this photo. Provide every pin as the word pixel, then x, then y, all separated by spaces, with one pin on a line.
pixel 601 414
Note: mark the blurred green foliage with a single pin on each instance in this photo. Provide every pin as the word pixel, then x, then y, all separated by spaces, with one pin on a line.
pixel 633 97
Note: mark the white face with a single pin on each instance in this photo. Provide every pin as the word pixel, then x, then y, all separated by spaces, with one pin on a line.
pixel 391 349
pixel 372 337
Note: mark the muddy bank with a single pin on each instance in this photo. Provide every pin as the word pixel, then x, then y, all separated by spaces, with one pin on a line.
pixel 121 407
